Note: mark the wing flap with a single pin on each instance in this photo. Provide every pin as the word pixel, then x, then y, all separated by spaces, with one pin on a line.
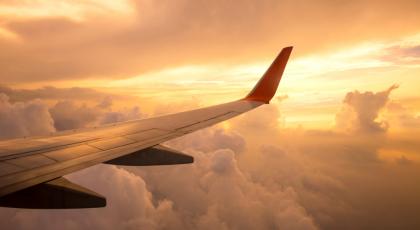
pixel 56 194
pixel 156 155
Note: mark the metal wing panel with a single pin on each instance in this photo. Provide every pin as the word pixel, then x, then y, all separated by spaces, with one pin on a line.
pixel 32 161
pixel 70 152
pixel 6 168
pixel 23 147
pixel 111 143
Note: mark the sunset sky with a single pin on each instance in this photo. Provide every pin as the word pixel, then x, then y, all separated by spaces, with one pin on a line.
pixel 338 148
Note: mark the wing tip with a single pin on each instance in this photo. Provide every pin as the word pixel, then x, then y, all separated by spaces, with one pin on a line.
pixel 266 87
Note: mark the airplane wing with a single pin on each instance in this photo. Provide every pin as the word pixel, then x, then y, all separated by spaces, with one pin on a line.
pixel 32 169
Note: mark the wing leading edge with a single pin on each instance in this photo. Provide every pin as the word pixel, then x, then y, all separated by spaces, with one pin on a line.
pixel 25 163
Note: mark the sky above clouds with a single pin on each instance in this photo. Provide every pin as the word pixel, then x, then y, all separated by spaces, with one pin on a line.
pixel 177 49
pixel 336 149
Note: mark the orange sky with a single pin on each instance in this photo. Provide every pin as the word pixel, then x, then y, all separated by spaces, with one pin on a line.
pixel 336 147
pixel 171 51
pixel 191 54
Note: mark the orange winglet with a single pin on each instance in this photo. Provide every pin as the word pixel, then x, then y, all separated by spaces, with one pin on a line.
pixel 266 87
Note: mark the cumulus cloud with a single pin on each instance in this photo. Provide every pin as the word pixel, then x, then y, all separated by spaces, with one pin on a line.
pixel 216 194
pixel 289 179
pixel 130 207
pixel 122 115
pixel 361 110
pixel 69 115
pixel 339 179
pixel 220 194
pixel 73 115
pixel 24 118
pixel 208 140
pixel 266 119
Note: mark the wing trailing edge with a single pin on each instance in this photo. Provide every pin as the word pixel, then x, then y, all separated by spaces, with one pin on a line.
pixel 59 193
pixel 156 155
pixel 266 87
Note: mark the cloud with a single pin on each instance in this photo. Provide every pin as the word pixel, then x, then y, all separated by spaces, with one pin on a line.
pixel 257 176
pixel 49 112
pixel 361 110
pixel 336 184
pixel 175 107
pixel 123 115
pixel 208 140
pixel 69 115
pixel 219 193
pixel 54 93
pixel 402 54
pixel 24 118
pixel 72 115
pixel 402 117
pixel 130 207
pixel 56 47
pixel 403 160
pixel 264 118
pixel 212 193
pixel 340 178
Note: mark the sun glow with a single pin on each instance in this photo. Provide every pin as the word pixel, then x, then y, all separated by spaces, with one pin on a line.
pixel 75 10
pixel 314 84
pixel 8 35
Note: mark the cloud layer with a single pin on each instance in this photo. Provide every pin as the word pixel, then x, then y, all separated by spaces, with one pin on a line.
pixel 252 176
